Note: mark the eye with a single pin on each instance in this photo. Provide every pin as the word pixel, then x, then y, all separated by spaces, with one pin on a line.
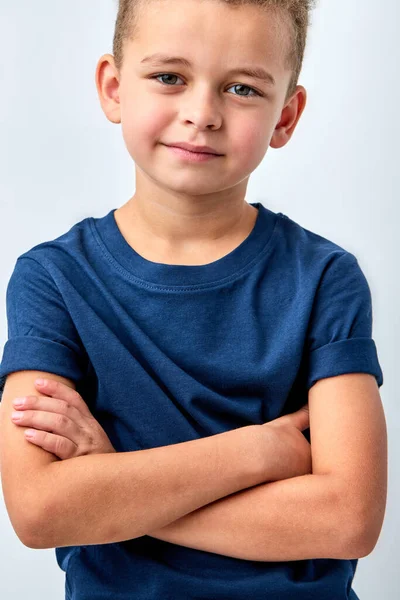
pixel 237 85
pixel 241 85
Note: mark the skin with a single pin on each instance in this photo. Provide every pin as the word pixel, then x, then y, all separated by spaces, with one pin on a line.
pixel 194 213
pixel 181 212
pixel 78 432
pixel 182 207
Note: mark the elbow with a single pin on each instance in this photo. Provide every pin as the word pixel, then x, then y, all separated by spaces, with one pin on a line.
pixel 361 535
pixel 25 526
pixel 360 517
pixel 28 533
pixel 356 544
pixel 40 532
pixel 33 525
pixel 32 539
pixel 36 528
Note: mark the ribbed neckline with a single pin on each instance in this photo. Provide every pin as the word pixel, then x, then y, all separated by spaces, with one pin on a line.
pixel 121 253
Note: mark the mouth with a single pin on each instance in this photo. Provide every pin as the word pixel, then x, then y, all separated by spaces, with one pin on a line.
pixel 194 149
pixel 194 157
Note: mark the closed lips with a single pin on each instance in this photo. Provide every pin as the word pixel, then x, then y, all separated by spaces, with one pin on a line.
pixel 195 149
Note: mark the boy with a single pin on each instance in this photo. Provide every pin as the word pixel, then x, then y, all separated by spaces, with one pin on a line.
pixel 188 313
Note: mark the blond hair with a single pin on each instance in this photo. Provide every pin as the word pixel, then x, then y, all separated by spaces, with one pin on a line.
pixel 294 13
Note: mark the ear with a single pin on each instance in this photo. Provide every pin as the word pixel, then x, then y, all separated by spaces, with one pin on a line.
pixel 107 83
pixel 289 118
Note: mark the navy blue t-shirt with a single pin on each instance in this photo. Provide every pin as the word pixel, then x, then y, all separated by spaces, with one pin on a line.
pixel 164 354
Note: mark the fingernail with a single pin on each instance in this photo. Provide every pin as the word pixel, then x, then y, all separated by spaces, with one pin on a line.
pixel 40 381
pixel 19 402
pixel 16 416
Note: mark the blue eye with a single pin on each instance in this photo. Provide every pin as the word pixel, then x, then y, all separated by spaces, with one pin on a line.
pixel 237 85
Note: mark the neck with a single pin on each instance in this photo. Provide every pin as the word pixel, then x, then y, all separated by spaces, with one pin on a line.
pixel 197 235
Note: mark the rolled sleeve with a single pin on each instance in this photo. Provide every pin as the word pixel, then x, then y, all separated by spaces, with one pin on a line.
pixel 340 330
pixel 41 334
pixel 355 355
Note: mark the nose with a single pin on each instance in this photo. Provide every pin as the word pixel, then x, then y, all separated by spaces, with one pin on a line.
pixel 202 111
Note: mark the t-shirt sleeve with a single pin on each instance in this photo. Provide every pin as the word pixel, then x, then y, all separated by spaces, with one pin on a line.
pixel 339 336
pixel 41 333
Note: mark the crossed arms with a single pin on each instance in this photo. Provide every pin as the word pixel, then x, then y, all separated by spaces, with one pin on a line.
pixel 218 502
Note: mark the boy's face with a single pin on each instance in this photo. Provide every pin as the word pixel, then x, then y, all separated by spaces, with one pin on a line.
pixel 204 104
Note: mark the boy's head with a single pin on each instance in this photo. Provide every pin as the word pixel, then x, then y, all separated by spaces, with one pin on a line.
pixel 294 16
pixel 202 101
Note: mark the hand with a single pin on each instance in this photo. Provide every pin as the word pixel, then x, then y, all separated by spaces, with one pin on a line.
pixel 63 422
pixel 299 419
pixel 291 451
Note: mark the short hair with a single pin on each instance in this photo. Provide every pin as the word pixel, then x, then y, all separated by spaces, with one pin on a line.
pixel 295 14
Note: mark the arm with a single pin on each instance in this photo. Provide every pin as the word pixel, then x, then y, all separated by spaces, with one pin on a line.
pixel 335 512
pixel 106 498
pixel 294 519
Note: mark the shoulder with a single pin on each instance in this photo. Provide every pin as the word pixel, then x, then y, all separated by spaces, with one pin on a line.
pixel 306 239
pixel 64 247
pixel 312 253
pixel 51 271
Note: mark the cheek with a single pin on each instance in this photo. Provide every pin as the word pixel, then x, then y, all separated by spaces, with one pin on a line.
pixel 153 121
pixel 251 135
pixel 139 134
pixel 251 141
pixel 143 124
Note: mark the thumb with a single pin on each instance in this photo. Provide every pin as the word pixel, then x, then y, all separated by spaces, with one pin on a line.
pixel 301 418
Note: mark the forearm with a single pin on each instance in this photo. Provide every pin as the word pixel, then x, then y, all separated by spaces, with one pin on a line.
pixel 293 519
pixel 106 498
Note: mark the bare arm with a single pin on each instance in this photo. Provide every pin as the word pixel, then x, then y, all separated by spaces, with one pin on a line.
pixel 335 512
pixel 106 498
pixel 294 519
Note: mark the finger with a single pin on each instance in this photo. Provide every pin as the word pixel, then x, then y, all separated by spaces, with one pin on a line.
pixel 54 405
pixel 57 389
pixel 299 419
pixel 303 418
pixel 50 422
pixel 58 445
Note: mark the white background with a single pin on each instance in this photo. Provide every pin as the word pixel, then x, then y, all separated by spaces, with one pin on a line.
pixel 61 160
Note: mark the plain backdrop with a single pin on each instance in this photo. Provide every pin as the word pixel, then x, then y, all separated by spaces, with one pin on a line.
pixel 62 161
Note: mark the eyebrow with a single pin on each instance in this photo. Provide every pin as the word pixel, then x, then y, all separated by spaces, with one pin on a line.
pixel 254 72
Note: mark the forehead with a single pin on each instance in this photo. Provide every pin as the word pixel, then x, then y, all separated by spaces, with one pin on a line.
pixel 211 32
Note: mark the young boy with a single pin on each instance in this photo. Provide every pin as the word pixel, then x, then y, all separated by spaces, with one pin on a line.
pixel 188 313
